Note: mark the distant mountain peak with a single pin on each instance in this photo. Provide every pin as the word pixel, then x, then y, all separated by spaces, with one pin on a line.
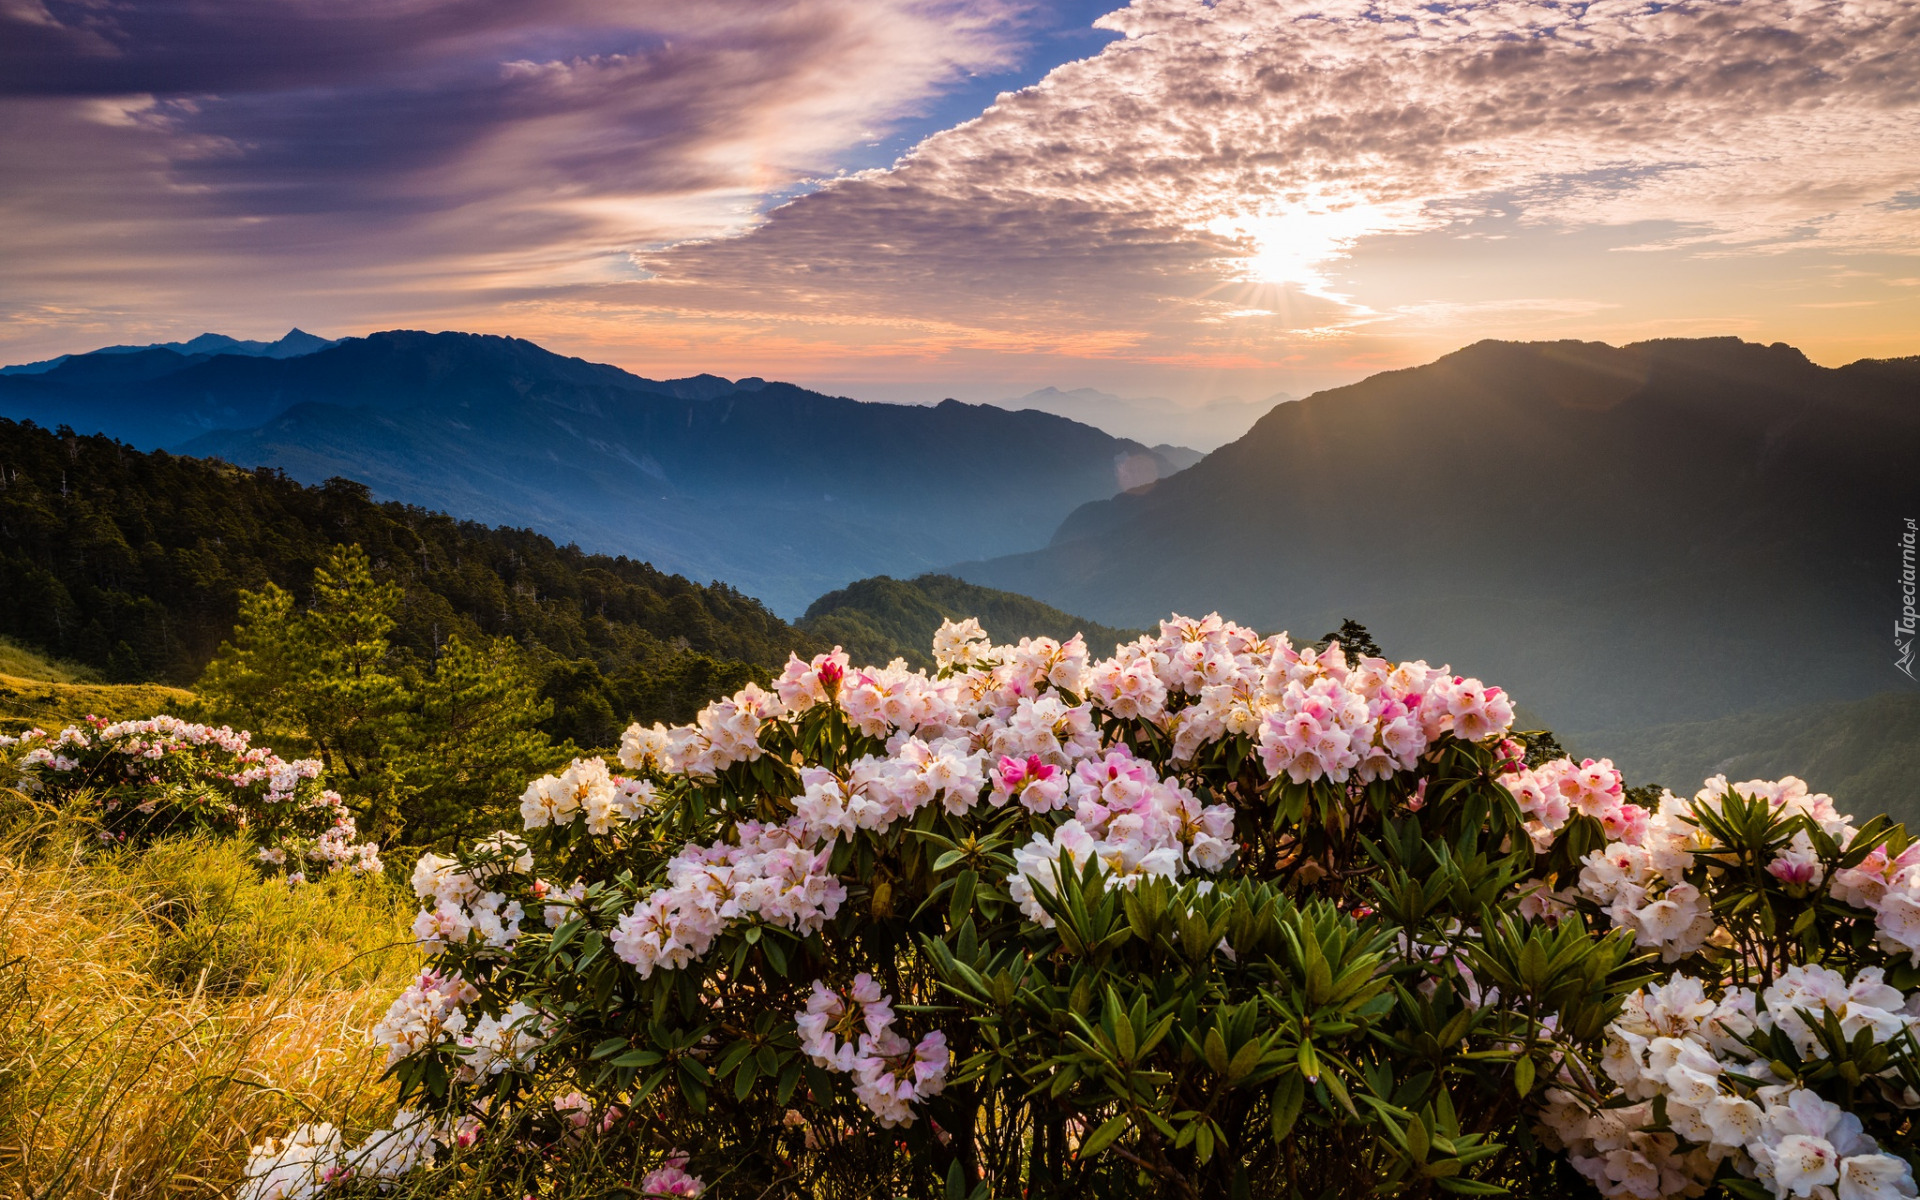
pixel 293 344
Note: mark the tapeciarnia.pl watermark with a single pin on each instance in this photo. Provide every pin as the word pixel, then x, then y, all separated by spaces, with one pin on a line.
pixel 1903 628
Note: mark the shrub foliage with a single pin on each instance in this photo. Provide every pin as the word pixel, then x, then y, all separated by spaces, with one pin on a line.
pixel 1217 916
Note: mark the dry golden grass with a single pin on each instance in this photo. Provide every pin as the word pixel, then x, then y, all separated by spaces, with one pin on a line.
pixel 163 1009
pixel 25 703
pixel 28 663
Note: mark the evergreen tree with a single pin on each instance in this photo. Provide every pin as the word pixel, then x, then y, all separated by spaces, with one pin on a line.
pixel 428 750
pixel 470 741
pixel 1354 640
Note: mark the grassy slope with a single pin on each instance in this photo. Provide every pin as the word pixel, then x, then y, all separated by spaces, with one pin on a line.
pixel 162 1010
pixel 26 663
pixel 1865 754
pixel 36 690
pixel 883 618
pixel 50 693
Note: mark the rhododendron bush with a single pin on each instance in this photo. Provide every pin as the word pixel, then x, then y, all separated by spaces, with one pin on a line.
pixel 160 775
pixel 1218 915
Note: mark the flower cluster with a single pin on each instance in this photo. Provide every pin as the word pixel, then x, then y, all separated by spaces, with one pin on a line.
pixel 670 1180
pixel 1888 886
pixel 1033 710
pixel 774 873
pixel 853 1033
pixel 430 1012
pixel 1656 873
pixel 1554 791
pixel 314 1158
pixel 1703 1094
pixel 929 828
pixel 586 789
pixel 1130 821
pixel 464 908
pixel 1025 729
pixel 152 775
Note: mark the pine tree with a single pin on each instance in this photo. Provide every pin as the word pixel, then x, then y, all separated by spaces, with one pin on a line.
pixel 428 751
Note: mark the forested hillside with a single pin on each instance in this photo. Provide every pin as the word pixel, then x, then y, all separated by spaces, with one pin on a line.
pixel 880 619
pixel 1865 753
pixel 131 563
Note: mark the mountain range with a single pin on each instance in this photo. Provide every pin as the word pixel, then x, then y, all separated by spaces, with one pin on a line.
pixel 292 344
pixel 1675 531
pixel 780 491
pixel 1863 753
pixel 1670 531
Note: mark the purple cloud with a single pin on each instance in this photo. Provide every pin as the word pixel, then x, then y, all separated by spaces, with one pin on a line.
pixel 440 145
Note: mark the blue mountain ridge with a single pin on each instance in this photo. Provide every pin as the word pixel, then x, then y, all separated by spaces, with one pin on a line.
pixel 294 343
pixel 780 491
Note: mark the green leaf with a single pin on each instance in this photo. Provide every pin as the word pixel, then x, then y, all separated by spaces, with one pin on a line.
pixel 1104 1136
pixel 962 901
pixel 1523 1076
pixel 1417 1145
pixel 1289 1096
pixel 564 934
pixel 610 1046
pixel 1215 1049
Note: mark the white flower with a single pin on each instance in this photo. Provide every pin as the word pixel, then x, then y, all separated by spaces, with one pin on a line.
pixel 1801 1162
pixel 406 1143
pixel 960 644
pixel 294 1169
pixel 642 748
pixel 1876 1177
pixel 548 801
pixel 497 1043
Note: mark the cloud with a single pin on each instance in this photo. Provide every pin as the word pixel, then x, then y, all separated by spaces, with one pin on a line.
pixel 434 144
pixel 1230 194
pixel 1225 158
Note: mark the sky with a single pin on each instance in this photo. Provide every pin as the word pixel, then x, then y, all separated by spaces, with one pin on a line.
pixel 910 199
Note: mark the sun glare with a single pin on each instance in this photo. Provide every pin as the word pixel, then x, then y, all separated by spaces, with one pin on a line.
pixel 1298 244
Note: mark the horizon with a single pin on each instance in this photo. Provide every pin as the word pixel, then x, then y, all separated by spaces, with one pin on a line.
pixel 1169 404
pixel 973 198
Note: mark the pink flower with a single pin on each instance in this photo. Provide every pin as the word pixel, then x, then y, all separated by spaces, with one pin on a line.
pixel 671 1179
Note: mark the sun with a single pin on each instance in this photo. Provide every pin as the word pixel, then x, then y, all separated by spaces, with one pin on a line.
pixel 1295 244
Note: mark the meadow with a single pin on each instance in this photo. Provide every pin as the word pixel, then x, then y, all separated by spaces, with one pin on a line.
pixel 164 1008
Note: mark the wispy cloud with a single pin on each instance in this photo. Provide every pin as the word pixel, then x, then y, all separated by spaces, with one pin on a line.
pixel 435 145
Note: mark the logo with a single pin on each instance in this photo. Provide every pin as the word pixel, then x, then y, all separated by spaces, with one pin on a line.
pixel 1903 626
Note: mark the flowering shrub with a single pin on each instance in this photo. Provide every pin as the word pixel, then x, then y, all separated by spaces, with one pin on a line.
pixel 1779 1058
pixel 153 776
pixel 1217 915
pixel 1709 1097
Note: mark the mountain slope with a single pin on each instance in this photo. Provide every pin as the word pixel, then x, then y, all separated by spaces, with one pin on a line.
pixel 1151 419
pixel 781 491
pixel 131 563
pixel 1675 530
pixel 1864 753
pixel 880 619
